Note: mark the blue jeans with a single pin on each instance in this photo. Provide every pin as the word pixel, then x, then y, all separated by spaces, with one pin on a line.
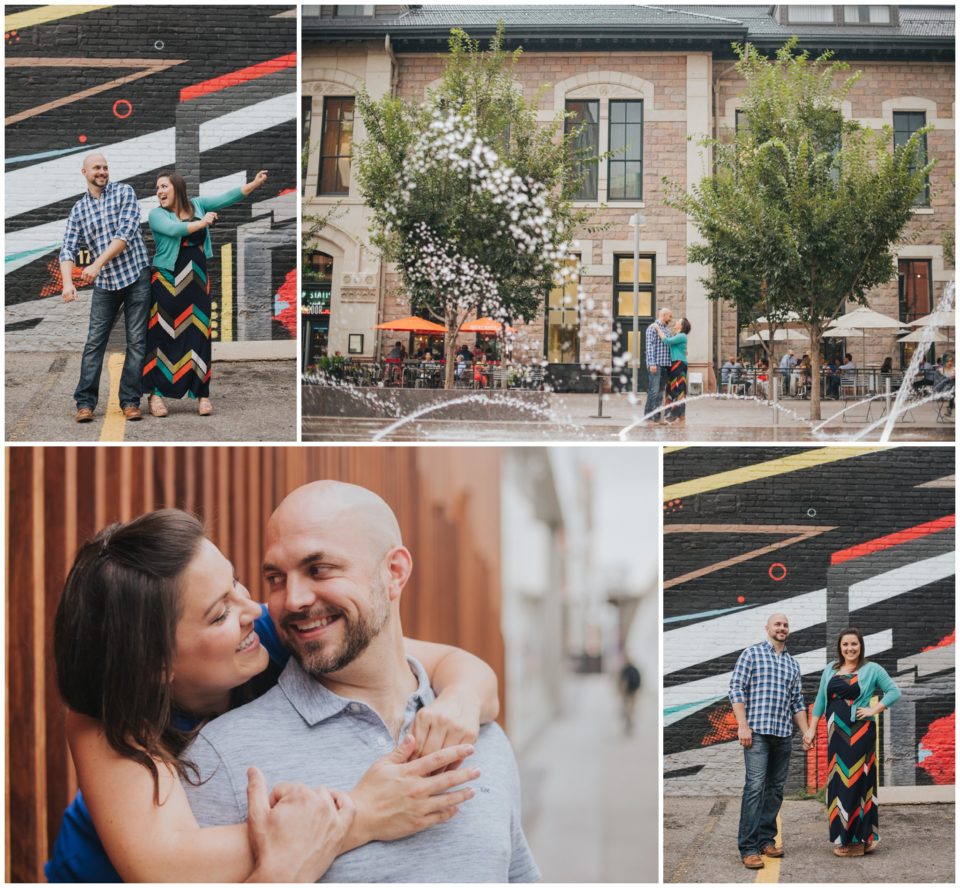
pixel 767 762
pixel 656 384
pixel 135 299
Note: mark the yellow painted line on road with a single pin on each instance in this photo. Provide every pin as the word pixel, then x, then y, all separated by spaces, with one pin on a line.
pixel 114 425
pixel 45 14
pixel 771 869
pixel 807 459
pixel 226 294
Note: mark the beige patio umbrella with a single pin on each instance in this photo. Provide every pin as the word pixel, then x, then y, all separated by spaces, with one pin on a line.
pixel 924 336
pixel 859 321
pixel 780 335
pixel 939 318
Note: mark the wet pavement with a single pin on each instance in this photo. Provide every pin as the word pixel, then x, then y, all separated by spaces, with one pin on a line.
pixel 590 792
pixel 252 400
pixel 710 419
pixel 917 844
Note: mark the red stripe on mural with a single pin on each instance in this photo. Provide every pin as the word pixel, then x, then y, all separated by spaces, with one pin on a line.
pixel 244 75
pixel 893 539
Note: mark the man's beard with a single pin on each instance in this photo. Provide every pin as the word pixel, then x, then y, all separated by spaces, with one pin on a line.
pixel 322 657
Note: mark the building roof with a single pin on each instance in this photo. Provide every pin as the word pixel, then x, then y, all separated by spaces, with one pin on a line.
pixel 921 31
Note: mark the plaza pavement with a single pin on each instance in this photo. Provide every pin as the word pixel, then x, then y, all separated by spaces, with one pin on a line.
pixel 590 793
pixel 917 844
pixel 578 417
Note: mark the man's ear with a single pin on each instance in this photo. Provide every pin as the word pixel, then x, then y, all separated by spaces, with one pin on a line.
pixel 399 566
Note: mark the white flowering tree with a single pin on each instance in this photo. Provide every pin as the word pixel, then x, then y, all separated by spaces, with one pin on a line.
pixel 471 196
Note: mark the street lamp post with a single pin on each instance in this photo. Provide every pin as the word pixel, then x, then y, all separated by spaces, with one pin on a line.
pixel 636 220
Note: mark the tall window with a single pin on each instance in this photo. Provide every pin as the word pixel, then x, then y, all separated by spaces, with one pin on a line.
pixel 587 144
pixel 916 296
pixel 905 124
pixel 625 166
pixel 562 344
pixel 623 300
pixel 336 142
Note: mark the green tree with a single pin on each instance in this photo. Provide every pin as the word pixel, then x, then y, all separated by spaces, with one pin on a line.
pixel 471 195
pixel 804 210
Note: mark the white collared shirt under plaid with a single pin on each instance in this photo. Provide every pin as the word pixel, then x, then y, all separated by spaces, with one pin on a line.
pixel 771 686
pixel 97 222
pixel 657 351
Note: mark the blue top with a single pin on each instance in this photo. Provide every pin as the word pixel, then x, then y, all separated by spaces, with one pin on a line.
pixel 678 347
pixel 168 230
pixel 870 677
pixel 78 855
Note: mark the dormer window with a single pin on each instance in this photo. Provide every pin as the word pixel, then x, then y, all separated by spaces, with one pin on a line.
pixel 809 15
pixel 866 15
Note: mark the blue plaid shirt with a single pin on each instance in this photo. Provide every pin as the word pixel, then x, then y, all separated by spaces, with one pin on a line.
pixel 657 351
pixel 771 686
pixel 97 222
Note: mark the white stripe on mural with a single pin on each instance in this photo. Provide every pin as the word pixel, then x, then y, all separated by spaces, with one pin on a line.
pixel 50 235
pixel 705 691
pixel 708 639
pixel 51 181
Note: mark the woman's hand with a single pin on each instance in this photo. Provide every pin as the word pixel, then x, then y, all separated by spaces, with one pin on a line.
pixel 400 795
pixel 451 719
pixel 296 833
pixel 660 332
pixel 866 712
pixel 808 737
pixel 259 179
pixel 209 219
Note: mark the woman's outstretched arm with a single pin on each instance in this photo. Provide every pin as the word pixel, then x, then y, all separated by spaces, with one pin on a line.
pixel 466 690
pixel 147 842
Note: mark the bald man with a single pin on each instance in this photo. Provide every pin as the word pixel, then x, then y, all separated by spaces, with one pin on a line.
pixel 766 692
pixel 106 221
pixel 335 566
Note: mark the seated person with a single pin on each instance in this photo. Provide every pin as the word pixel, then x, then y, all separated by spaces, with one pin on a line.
pixel 335 567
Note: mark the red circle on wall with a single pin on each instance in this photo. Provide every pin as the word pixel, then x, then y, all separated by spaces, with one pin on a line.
pixel 116 109
pixel 82 139
pixel 780 568
pixel 741 599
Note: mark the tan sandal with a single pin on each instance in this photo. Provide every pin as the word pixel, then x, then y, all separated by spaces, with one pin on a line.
pixel 204 407
pixel 157 407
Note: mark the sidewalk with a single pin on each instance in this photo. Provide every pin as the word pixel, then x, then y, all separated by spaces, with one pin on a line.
pixel 589 793
pixel 575 418
pixel 700 844
pixel 252 401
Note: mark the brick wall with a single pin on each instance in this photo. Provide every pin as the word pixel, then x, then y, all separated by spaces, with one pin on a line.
pixel 831 537
pixel 210 91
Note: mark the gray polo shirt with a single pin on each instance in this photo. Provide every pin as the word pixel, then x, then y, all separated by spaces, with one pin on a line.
pixel 299 731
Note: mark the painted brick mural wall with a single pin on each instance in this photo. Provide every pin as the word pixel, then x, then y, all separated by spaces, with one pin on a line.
pixel 832 537
pixel 209 91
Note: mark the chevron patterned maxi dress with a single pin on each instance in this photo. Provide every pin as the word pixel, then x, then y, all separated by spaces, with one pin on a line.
pixel 178 350
pixel 852 757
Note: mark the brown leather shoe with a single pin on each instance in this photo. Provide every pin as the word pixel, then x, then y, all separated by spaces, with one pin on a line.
pixel 204 407
pixel 752 861
pixel 855 850
pixel 84 414
pixel 132 413
pixel 869 849
pixel 771 851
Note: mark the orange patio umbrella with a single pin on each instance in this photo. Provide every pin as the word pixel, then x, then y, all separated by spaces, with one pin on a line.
pixel 484 325
pixel 412 325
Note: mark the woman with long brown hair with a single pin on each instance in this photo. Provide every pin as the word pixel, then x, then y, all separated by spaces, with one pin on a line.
pixel 178 352
pixel 144 660
pixel 847 687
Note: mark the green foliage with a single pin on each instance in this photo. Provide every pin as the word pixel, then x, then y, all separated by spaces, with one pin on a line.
pixel 432 215
pixel 804 210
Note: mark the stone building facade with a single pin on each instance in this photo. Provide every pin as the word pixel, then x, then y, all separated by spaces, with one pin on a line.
pixel 671 68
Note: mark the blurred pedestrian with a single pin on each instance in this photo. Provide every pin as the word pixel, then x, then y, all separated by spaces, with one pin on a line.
pixel 629 684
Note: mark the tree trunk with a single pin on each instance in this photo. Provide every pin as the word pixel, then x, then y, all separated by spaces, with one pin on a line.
pixel 449 348
pixel 816 337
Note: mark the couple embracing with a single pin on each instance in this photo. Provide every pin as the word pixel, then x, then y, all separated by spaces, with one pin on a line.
pixel 667 369
pixel 767 697
pixel 218 739
pixel 169 356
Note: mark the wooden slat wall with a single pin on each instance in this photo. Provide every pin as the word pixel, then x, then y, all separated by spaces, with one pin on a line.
pixel 446 499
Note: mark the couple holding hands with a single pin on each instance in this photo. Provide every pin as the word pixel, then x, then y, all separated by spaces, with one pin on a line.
pixel 767 698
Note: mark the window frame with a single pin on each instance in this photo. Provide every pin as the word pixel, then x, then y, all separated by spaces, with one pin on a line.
pixel 611 160
pixel 335 158
pixel 569 125
pixel 923 201
pixel 574 259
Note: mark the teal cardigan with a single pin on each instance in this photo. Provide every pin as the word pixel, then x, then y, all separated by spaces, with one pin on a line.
pixel 678 347
pixel 871 676
pixel 168 230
